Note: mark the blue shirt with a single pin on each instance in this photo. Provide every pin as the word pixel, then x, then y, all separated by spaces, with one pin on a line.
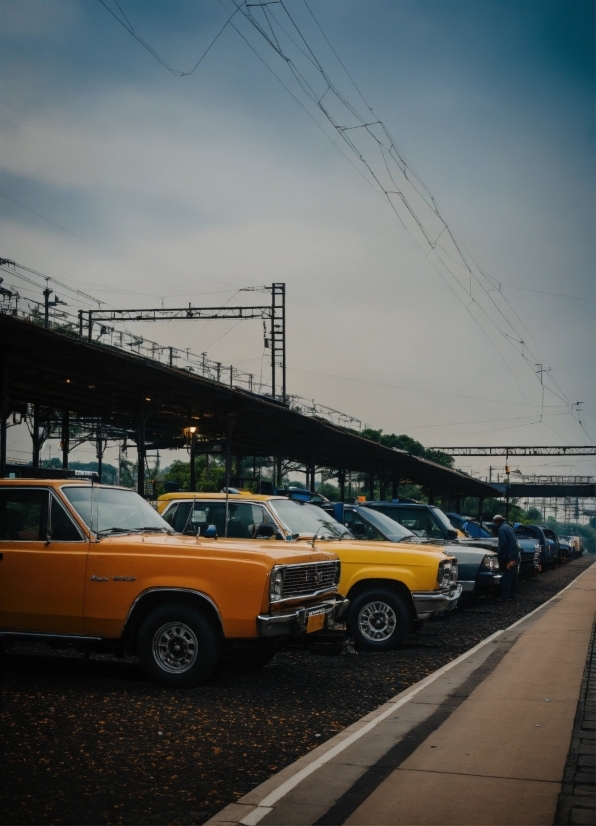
pixel 508 549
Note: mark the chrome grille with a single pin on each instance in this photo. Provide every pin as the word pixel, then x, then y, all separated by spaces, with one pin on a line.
pixel 312 578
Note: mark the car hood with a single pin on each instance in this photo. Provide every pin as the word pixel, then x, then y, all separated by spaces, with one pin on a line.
pixel 276 551
pixel 390 552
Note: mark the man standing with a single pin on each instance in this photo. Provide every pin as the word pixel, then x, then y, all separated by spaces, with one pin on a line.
pixel 508 553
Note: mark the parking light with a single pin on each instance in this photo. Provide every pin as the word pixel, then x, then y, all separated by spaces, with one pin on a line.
pixel 276 584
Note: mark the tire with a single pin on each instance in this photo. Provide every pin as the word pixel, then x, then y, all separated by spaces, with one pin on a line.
pixel 379 620
pixel 178 646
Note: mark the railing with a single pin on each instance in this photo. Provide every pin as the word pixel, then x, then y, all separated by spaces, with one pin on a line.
pixel 63 322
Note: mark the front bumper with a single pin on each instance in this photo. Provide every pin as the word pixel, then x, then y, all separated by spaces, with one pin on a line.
pixel 488 581
pixel 292 623
pixel 429 603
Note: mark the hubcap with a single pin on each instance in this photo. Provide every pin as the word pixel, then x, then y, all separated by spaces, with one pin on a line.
pixel 175 647
pixel 377 621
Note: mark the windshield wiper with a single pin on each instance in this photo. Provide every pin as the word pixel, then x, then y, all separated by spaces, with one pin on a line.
pixel 151 529
pixel 154 529
pixel 115 530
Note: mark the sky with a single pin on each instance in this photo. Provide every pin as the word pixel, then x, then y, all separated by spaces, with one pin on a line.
pixel 155 189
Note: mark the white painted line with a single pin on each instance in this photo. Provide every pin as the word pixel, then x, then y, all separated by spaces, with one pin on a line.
pixel 558 594
pixel 268 802
pixel 266 805
pixel 256 815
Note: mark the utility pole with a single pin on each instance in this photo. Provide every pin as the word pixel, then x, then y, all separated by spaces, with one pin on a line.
pixel 273 316
pixel 47 304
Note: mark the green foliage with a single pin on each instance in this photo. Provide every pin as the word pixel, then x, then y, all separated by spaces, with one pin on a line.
pixel 109 473
pixel 533 516
pixel 329 490
pixel 210 479
pixel 403 442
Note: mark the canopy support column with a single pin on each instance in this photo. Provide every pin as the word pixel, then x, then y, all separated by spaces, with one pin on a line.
pixel 65 438
pixel 141 451
pixel 193 462
pixel 3 414
pixel 36 445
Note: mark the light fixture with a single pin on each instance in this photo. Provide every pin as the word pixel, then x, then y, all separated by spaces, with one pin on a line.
pixel 147 399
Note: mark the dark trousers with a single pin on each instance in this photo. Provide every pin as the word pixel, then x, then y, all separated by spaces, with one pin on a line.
pixel 508 583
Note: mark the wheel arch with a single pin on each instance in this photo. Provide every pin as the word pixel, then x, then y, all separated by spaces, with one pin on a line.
pixel 151 599
pixel 395 585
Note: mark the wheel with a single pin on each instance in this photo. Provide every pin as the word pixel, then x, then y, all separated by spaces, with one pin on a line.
pixel 379 620
pixel 178 646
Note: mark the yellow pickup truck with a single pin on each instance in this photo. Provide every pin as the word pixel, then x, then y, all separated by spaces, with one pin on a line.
pixel 392 587
pixel 97 565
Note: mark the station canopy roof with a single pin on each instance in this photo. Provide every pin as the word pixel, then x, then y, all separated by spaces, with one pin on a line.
pixel 64 372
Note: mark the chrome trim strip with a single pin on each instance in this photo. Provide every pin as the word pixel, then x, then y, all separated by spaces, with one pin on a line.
pixel 48 635
pixel 176 590
pixel 310 595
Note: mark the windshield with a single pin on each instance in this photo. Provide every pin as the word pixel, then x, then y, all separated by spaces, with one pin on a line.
pixel 390 530
pixel 113 510
pixel 305 519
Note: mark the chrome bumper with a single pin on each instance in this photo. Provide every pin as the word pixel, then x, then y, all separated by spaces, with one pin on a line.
pixel 429 603
pixel 291 623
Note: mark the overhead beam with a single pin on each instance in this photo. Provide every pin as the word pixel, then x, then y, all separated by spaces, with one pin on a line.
pixel 528 450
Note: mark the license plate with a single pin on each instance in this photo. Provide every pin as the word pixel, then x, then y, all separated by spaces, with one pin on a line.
pixel 315 623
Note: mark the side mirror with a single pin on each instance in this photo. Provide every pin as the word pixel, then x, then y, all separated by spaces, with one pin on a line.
pixel 264 531
pixel 210 532
pixel 451 534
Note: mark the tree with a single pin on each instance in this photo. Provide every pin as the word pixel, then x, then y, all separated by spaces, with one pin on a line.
pixel 411 446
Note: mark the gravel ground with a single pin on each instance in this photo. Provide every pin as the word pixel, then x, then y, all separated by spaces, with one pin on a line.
pixel 89 741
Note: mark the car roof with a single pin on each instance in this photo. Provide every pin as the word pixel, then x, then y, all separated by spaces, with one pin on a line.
pixel 237 497
pixel 59 483
pixel 396 504
pixel 45 482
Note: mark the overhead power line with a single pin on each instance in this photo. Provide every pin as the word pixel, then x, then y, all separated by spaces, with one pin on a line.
pixel 388 170
pixel 125 23
pixel 43 217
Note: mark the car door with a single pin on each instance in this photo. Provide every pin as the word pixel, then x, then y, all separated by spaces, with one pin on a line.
pixel 42 563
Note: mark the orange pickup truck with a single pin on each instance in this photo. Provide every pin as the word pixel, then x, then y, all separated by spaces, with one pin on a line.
pixel 92 564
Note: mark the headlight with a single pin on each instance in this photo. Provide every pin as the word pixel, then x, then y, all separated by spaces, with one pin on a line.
pixel 491 562
pixel 445 571
pixel 276 584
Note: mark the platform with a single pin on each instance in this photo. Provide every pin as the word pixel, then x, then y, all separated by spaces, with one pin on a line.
pixel 484 740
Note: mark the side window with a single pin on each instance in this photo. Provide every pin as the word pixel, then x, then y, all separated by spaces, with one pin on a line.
pixel 23 514
pixel 181 516
pixel 244 518
pixel 170 513
pixel 62 528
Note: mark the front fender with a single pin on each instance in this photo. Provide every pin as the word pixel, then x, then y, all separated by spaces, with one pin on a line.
pixel 352 574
